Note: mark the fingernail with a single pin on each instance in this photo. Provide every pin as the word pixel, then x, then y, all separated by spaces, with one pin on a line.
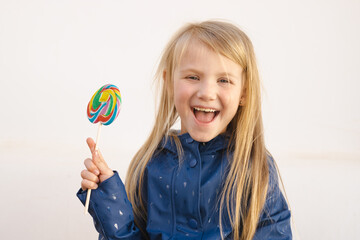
pixel 96 172
pixel 96 153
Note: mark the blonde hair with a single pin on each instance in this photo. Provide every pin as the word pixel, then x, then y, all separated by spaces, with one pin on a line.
pixel 246 183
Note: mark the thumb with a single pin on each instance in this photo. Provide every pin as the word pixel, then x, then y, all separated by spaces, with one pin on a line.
pixel 96 155
pixel 91 143
pixel 100 163
pixel 98 160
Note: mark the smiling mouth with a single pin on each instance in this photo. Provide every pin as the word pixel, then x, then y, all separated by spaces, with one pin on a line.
pixel 205 115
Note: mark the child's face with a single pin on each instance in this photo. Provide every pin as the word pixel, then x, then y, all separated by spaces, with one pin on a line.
pixel 207 91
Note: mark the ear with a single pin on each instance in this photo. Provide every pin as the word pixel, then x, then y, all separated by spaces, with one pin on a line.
pixel 164 75
pixel 165 80
pixel 242 102
pixel 242 97
pixel 167 83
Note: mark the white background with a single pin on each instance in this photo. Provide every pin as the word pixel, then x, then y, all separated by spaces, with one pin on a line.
pixel 55 54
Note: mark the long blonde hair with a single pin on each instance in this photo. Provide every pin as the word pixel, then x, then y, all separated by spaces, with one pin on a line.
pixel 246 184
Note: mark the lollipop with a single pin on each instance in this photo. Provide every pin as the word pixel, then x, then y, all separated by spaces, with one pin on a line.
pixel 103 108
pixel 104 105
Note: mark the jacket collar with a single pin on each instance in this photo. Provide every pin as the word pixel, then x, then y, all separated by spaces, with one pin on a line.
pixel 218 143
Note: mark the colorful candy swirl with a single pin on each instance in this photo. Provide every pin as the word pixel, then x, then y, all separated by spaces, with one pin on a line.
pixel 104 105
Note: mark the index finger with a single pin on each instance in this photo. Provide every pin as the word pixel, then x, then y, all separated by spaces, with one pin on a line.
pixel 91 143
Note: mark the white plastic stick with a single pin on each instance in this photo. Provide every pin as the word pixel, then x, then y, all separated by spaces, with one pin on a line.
pixel 89 190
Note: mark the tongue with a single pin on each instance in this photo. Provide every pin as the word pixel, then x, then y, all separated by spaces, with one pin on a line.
pixel 204 117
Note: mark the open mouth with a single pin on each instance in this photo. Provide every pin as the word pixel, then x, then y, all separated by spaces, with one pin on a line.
pixel 205 115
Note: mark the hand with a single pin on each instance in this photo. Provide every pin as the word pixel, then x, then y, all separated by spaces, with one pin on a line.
pixel 96 170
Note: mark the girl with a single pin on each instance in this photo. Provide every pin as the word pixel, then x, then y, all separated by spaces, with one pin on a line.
pixel 213 179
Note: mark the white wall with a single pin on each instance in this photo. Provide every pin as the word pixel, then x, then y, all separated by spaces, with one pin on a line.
pixel 55 54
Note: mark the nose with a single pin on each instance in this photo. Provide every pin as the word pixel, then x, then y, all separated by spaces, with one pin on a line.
pixel 206 91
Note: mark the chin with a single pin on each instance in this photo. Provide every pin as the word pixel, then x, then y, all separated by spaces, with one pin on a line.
pixel 202 137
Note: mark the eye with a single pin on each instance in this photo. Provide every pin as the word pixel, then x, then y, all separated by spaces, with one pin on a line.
pixel 193 77
pixel 224 80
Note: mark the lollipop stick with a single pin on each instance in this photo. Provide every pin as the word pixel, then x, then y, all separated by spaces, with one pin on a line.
pixel 98 137
pixel 89 190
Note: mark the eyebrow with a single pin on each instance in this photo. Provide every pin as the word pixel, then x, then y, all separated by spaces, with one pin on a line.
pixel 188 70
pixel 200 72
pixel 230 75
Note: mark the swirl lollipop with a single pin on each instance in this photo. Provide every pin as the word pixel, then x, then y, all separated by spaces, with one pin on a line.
pixel 104 105
pixel 103 108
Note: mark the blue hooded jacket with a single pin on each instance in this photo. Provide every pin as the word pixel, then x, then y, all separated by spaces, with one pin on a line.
pixel 182 197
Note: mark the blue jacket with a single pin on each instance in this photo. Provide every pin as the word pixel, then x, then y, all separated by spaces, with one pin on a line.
pixel 181 199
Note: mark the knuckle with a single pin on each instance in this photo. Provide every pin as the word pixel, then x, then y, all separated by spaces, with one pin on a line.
pixel 86 184
pixel 83 184
pixel 89 164
pixel 83 173
pixel 93 185
pixel 87 161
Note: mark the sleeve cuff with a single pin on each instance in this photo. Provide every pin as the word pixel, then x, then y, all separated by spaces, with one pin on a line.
pixel 110 208
pixel 111 184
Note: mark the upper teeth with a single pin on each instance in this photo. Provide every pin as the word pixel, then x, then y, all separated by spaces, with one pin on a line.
pixel 204 109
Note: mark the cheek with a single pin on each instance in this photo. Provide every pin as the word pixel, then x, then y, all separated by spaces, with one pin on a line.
pixel 231 101
pixel 181 92
pixel 180 96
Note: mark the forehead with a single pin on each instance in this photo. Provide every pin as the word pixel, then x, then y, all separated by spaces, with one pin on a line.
pixel 197 55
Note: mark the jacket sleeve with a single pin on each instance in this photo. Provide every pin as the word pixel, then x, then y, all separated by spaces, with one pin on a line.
pixel 111 210
pixel 274 223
